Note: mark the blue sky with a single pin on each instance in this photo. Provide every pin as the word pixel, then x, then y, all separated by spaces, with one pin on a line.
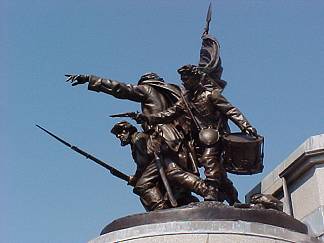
pixel 272 53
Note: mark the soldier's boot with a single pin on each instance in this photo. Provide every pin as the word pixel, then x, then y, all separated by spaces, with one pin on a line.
pixel 161 205
pixel 200 187
pixel 152 199
pixel 183 196
pixel 213 190
pixel 230 192
pixel 191 182
pixel 186 179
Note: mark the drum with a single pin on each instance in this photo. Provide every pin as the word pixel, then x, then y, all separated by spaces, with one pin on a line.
pixel 242 154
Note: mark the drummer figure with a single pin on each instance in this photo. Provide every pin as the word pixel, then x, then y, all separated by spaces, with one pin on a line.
pixel 208 111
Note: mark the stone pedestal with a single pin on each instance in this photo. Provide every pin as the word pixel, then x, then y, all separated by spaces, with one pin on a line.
pixel 298 181
pixel 204 232
pixel 206 223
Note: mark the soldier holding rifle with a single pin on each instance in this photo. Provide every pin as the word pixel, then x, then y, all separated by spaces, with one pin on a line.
pixel 146 180
pixel 149 174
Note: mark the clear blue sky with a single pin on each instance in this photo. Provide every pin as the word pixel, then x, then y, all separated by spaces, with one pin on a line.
pixel 272 54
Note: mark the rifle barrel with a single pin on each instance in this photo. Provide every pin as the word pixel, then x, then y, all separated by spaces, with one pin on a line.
pixel 112 170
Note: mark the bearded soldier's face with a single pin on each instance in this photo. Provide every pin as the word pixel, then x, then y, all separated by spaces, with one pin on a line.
pixel 124 137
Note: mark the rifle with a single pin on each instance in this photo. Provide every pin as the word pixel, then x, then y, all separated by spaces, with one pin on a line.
pixel 132 115
pixel 138 117
pixel 111 169
pixel 166 184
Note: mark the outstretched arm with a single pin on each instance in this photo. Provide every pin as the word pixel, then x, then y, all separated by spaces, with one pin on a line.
pixel 117 89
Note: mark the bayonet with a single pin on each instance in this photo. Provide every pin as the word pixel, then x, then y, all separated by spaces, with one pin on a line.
pixel 190 112
pixel 112 170
pixel 208 19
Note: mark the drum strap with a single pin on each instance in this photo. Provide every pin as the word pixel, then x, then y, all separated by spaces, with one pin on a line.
pixel 193 117
pixel 219 122
pixel 190 111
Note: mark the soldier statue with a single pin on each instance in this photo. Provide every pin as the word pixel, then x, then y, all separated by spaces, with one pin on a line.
pixel 209 111
pixel 146 180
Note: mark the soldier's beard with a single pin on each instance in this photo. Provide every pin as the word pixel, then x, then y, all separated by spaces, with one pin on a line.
pixel 124 142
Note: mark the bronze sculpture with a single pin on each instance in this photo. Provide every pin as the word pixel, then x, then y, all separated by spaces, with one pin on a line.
pixel 209 111
pixel 182 129
pixel 184 133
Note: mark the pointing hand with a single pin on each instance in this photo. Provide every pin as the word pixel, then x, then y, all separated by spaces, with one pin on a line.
pixel 77 79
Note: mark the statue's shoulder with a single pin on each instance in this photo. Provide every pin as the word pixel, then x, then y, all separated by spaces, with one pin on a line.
pixel 163 87
pixel 140 138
